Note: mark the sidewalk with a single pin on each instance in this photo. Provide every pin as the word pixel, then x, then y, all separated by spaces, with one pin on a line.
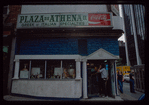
pixel 117 98
pixel 17 98
pixel 130 96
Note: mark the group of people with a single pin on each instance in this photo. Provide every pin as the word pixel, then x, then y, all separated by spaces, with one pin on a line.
pixel 102 79
pixel 120 79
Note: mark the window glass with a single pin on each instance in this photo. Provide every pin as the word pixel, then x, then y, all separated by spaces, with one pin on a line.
pixel 24 69
pixel 53 69
pixel 56 69
pixel 69 69
pixel 37 69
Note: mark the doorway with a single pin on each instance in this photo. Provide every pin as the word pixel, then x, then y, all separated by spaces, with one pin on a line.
pixel 93 82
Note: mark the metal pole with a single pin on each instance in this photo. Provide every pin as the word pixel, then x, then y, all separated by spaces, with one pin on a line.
pixel 11 64
pixel 126 46
pixel 30 67
pixel 135 75
pixel 45 69
pixel 135 36
pixel 115 78
pixel 61 69
pixel 143 78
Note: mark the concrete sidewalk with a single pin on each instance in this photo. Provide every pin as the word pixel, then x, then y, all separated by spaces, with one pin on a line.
pixel 117 98
pixel 130 96
pixel 17 98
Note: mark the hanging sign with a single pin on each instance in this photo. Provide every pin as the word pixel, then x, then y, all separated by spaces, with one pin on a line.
pixel 64 20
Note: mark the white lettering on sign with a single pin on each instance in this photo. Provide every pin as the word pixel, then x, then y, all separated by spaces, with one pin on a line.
pixel 98 17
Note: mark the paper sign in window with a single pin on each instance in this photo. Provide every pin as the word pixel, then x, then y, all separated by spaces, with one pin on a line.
pixel 57 71
pixel 23 74
pixel 35 70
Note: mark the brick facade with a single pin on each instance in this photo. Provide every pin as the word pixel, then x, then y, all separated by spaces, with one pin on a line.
pixel 109 44
pixel 64 46
pixel 14 10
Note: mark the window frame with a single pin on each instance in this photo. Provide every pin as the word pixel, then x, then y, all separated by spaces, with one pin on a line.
pixel 45 69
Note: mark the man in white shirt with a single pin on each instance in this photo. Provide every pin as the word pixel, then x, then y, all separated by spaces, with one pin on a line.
pixel 104 77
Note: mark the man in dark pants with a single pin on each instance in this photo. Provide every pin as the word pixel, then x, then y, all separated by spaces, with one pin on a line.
pixel 104 77
pixel 94 80
pixel 99 83
pixel 131 75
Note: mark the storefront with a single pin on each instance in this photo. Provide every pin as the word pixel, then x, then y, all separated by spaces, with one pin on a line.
pixel 53 52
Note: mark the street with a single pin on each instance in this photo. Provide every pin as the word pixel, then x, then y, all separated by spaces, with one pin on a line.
pixel 127 95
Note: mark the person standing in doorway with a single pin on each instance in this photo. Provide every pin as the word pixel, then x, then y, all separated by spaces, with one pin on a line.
pixel 120 80
pixel 99 83
pixel 131 75
pixel 104 78
pixel 93 79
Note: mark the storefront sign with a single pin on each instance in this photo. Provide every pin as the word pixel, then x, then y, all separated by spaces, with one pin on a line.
pixel 64 20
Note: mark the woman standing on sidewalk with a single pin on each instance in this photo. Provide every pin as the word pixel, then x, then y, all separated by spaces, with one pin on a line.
pixel 131 75
pixel 120 81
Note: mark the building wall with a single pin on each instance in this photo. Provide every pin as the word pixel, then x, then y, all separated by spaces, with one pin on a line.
pixel 66 46
pixel 48 46
pixel 122 52
pixel 14 10
pixel 109 44
pixel 9 25
pixel 27 9
pixel 139 16
pixel 46 88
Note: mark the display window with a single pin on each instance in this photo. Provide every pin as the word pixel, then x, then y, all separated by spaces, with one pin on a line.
pixel 24 69
pixel 47 69
pixel 69 69
pixel 53 69
pixel 37 69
